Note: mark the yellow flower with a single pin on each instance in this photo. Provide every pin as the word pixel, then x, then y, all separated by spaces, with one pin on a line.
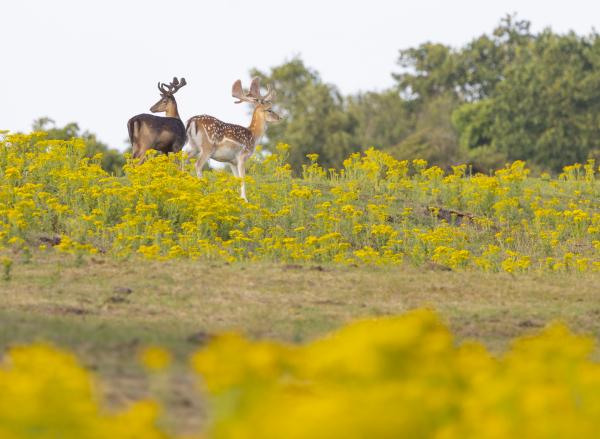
pixel 155 358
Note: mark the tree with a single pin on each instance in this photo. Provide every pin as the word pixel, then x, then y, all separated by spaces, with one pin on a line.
pixel 469 73
pixel 547 109
pixel 474 123
pixel 433 137
pixel 429 70
pixel 112 160
pixel 512 95
pixel 382 119
pixel 484 59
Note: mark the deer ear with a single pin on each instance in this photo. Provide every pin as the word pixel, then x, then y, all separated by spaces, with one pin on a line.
pixel 255 88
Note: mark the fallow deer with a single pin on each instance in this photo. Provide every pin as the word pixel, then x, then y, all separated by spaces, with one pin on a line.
pixel 165 134
pixel 233 144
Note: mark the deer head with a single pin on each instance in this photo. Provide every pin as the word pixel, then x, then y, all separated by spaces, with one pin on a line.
pixel 262 104
pixel 167 102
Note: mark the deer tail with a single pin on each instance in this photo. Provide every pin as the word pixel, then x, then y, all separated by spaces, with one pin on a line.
pixel 190 127
pixel 133 129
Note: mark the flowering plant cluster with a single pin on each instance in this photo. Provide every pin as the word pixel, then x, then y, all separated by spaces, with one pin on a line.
pixel 376 210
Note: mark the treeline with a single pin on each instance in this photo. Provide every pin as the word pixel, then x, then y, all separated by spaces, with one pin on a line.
pixel 510 95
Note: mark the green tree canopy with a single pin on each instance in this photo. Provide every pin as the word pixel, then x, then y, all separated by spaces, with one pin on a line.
pixel 469 73
pixel 511 95
pixel 547 108
pixel 383 119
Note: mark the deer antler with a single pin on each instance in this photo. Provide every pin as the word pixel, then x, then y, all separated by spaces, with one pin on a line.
pixel 255 88
pixel 271 94
pixel 238 92
pixel 162 90
pixel 253 96
pixel 171 88
pixel 177 84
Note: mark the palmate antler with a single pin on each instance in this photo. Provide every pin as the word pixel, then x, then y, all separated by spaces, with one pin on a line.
pixel 253 96
pixel 171 88
pixel 271 94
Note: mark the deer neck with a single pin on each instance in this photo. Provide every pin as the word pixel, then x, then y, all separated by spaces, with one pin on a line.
pixel 258 124
pixel 172 110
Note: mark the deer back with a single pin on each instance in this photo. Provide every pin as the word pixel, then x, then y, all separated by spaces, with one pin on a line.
pixel 217 132
pixel 165 134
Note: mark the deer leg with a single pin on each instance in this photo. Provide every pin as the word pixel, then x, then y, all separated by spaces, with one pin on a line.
pixel 134 150
pixel 138 150
pixel 142 155
pixel 138 153
pixel 185 159
pixel 241 172
pixel 203 157
pixel 182 163
pixel 199 146
pixel 143 143
pixel 234 169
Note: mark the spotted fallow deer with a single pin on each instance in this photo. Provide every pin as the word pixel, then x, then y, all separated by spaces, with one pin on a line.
pixel 232 144
pixel 165 134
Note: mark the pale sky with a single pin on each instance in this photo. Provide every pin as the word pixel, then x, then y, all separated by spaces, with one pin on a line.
pixel 97 62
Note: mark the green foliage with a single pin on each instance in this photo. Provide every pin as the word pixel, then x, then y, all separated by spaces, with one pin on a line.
pixel 483 60
pixel 383 119
pixel 516 96
pixel 474 122
pixel 544 109
pixel 112 160
pixel 433 137
pixel 547 109
pixel 429 70
pixel 469 73
pixel 449 91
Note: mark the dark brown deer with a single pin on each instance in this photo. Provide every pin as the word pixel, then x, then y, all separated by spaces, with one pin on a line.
pixel 232 144
pixel 164 134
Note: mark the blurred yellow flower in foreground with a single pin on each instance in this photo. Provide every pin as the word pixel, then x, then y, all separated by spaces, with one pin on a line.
pixel 155 358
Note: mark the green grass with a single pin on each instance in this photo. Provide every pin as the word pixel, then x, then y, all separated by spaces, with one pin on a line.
pixel 105 310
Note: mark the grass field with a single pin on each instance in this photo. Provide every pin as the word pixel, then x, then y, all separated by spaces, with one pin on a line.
pixel 105 310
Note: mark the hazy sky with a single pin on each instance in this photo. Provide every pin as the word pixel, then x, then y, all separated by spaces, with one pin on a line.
pixel 98 62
